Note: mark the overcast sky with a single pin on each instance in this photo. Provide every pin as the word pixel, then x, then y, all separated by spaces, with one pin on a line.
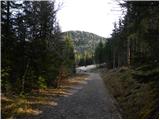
pixel 96 16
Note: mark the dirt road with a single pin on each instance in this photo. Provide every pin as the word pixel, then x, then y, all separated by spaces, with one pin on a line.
pixel 91 101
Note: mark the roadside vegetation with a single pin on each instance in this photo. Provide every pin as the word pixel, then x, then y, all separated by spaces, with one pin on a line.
pixel 134 44
pixel 34 53
pixel 135 99
pixel 29 105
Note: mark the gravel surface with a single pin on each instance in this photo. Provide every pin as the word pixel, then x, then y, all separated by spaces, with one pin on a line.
pixel 90 101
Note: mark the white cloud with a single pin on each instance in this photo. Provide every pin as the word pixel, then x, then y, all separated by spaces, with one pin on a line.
pixel 89 15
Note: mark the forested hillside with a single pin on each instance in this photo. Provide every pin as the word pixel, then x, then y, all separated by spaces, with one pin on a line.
pixel 85 40
pixel 84 45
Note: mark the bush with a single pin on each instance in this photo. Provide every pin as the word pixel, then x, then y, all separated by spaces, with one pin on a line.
pixel 41 83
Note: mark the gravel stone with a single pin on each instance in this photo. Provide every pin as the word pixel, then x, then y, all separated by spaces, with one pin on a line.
pixel 92 101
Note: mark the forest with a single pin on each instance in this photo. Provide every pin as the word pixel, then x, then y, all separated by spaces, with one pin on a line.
pixel 135 38
pixel 84 46
pixel 132 53
pixel 33 49
pixel 36 55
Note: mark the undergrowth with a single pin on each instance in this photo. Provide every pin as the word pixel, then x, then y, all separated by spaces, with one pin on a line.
pixel 29 105
pixel 136 97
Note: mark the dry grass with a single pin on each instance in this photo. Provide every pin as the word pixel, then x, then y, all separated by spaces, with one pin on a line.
pixel 137 100
pixel 16 107
pixel 21 107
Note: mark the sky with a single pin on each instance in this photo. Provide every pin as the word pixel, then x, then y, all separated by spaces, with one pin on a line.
pixel 95 16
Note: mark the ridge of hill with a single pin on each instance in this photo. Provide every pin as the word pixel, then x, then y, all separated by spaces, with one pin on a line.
pixel 84 41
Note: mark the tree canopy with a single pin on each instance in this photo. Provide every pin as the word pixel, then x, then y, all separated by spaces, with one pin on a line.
pixel 33 49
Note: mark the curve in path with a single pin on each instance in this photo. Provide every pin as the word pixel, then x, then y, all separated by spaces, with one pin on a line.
pixel 92 101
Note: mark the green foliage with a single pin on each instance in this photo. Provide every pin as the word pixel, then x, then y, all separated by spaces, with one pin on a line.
pixel 69 56
pixel 99 53
pixel 41 83
pixel 84 46
pixel 135 38
pixel 103 53
pixel 5 73
pixel 84 59
pixel 84 41
pixel 5 85
pixel 32 46
pixel 134 43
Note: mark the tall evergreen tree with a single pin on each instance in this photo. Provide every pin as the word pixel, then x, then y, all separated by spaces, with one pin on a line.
pixel 32 46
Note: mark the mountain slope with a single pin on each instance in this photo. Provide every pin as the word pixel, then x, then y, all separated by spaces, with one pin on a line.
pixel 84 41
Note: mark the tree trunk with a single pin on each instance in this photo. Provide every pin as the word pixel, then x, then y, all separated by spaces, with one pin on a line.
pixel 8 21
pixel 128 53
pixel 119 60
pixel 24 77
pixel 114 59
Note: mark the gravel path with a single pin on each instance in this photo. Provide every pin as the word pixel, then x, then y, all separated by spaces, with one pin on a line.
pixel 92 101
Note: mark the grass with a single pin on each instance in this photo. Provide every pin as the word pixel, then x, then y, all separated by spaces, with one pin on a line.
pixel 16 107
pixel 136 99
pixel 30 105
